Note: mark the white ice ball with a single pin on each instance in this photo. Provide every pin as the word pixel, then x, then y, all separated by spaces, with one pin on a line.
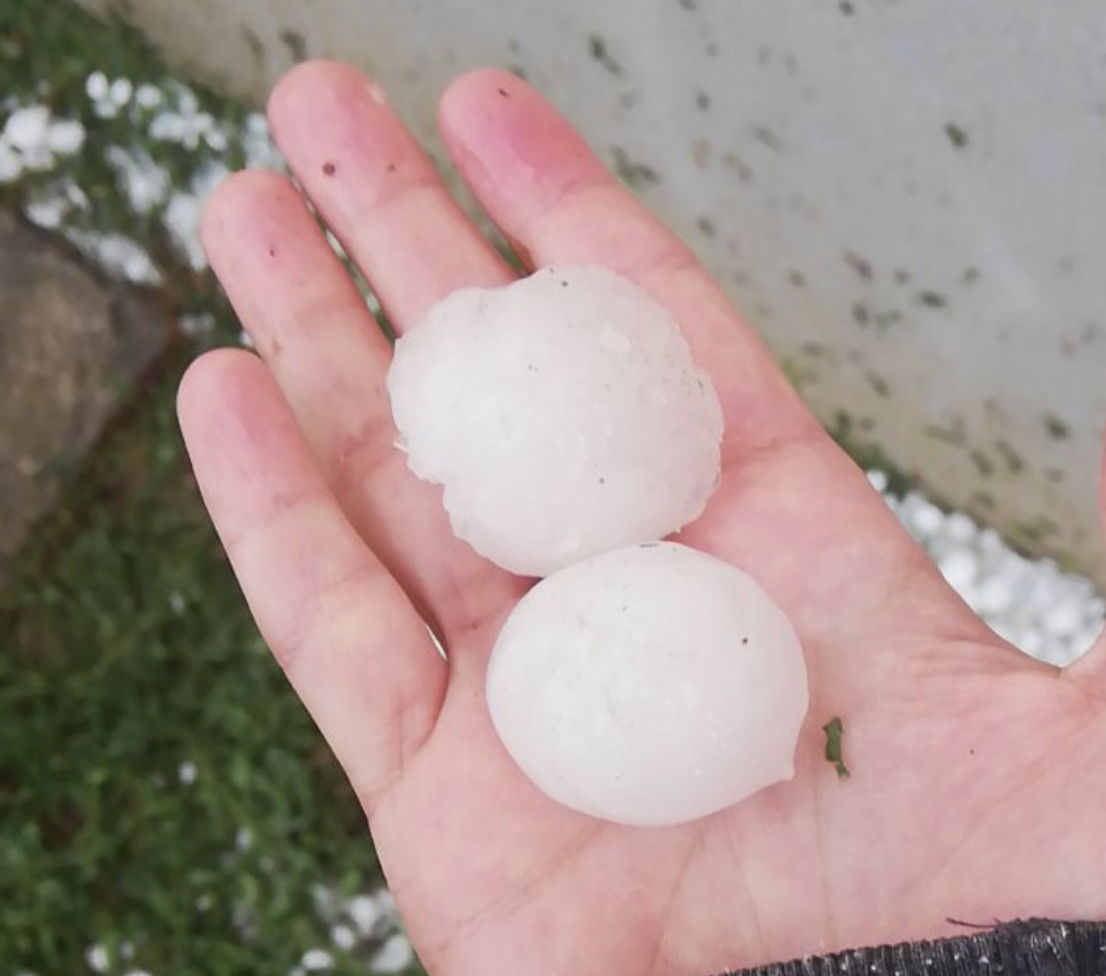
pixel 562 414
pixel 651 685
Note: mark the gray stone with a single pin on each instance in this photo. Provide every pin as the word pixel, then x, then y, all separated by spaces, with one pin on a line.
pixel 71 346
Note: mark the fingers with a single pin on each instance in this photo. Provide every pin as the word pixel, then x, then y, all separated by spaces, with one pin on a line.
pixel 377 190
pixel 545 188
pixel 329 358
pixel 351 644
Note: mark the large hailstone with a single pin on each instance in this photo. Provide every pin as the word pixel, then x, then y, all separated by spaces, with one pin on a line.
pixel 651 685
pixel 562 414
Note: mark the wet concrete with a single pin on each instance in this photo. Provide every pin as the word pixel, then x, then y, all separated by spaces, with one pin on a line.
pixel 906 200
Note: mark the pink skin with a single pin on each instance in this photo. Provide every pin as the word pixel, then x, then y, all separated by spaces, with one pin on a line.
pixel 977 789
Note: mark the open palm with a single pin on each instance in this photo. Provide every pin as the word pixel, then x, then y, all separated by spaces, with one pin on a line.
pixel 977 787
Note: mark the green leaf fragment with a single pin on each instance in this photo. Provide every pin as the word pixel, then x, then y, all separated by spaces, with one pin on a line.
pixel 835 730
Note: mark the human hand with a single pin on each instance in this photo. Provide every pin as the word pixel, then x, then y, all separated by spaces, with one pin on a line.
pixel 977 789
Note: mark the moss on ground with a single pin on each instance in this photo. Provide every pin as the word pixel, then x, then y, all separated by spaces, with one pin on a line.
pixel 159 783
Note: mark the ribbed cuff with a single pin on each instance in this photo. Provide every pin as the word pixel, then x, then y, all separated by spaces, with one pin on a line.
pixel 1035 947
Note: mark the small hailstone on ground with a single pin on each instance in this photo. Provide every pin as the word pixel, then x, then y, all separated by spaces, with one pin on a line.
pixel 148 96
pixel 144 182
pixel 97 86
pixel 10 164
pixel 335 244
pixel 994 596
pixel 923 516
pixel 117 255
pixel 47 212
pixel 325 901
pixel 65 137
pixel 121 91
pixel 651 685
pixel 316 959
pixel 257 146
pixel 187 102
pixel 959 527
pixel 97 958
pixel 182 215
pixel 197 323
pixel 563 415
pixel 1063 619
pixel 364 912
pixel 960 567
pixel 878 480
pixel 392 957
pixel 182 219
pixel 167 127
pixel 75 195
pixel 26 128
pixel 105 108
pixel 216 139
pixel 343 936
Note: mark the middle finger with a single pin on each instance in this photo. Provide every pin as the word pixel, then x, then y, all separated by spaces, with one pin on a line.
pixel 377 190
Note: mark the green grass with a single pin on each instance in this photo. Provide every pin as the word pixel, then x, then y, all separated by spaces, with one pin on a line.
pixel 126 650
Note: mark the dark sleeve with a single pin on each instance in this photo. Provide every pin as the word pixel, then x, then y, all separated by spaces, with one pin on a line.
pixel 1036 947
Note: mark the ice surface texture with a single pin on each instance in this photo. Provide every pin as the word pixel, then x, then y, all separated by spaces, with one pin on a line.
pixel 650 685
pixel 562 414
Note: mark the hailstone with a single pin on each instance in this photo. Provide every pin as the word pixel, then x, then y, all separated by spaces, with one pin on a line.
pixel 562 413
pixel 651 685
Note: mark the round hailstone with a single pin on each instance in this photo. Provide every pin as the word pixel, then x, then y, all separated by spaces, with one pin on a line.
pixel 651 685
pixel 562 414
